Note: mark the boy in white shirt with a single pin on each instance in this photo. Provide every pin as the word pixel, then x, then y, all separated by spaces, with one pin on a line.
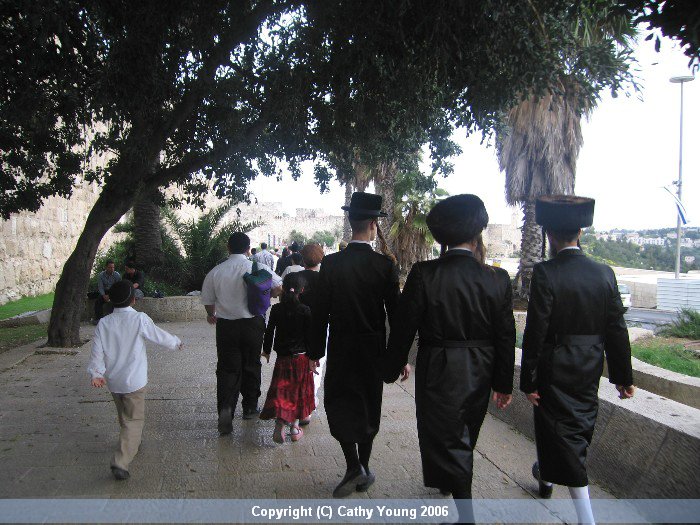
pixel 119 359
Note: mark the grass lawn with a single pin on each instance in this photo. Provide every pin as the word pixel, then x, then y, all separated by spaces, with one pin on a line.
pixel 20 335
pixel 26 304
pixel 668 353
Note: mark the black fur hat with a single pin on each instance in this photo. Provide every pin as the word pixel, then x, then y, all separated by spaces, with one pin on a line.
pixel 457 219
pixel 121 292
pixel 564 212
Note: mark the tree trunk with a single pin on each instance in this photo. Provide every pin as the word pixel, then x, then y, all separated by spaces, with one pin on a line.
pixel 347 232
pixel 384 181
pixel 530 250
pixel 147 237
pixel 71 290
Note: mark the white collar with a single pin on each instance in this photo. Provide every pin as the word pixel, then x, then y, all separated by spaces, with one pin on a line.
pixel 360 242
pixel 569 248
pixel 237 256
pixel 119 309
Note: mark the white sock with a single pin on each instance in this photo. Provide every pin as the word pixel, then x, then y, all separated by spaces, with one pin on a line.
pixel 547 483
pixel 582 503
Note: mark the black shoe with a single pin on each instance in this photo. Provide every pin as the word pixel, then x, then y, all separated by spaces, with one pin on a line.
pixel 120 473
pixel 349 483
pixel 251 413
pixel 544 489
pixel 225 421
pixel 362 487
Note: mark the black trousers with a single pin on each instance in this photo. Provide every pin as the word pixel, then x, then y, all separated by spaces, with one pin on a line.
pixel 99 303
pixel 238 345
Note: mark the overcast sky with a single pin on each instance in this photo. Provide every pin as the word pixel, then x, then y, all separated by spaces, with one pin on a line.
pixel 630 152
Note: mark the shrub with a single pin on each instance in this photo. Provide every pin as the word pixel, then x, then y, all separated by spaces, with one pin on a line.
pixel 686 326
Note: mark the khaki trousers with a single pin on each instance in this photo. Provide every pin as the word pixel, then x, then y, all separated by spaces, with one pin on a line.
pixel 131 412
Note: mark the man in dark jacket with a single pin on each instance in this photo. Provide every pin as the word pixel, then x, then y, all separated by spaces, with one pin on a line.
pixel 355 287
pixel 574 319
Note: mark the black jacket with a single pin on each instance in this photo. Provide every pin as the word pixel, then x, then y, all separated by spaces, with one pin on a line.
pixel 574 321
pixel 356 290
pixel 463 312
pixel 290 327
pixel 574 295
pixel 455 298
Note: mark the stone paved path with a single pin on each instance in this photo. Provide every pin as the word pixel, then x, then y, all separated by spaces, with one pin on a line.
pixel 57 435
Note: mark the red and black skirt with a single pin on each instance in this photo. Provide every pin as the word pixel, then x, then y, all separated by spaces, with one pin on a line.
pixel 291 393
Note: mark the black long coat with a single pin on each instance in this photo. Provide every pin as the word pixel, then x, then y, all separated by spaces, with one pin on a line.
pixel 355 291
pixel 463 312
pixel 574 317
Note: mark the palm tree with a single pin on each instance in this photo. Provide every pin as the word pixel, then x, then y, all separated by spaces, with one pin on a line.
pixel 414 196
pixel 540 145
pixel 204 241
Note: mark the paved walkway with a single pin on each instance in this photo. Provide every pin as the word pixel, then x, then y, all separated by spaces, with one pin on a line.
pixel 57 435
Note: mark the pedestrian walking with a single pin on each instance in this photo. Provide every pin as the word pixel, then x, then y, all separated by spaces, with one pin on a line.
pixel 239 332
pixel 118 359
pixel 264 256
pixel 462 310
pixel 356 290
pixel 290 397
pixel 295 261
pixel 574 321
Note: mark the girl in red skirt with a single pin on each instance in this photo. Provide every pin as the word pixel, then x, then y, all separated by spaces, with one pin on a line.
pixel 291 393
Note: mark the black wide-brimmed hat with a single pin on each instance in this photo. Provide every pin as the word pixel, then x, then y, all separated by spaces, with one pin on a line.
pixel 564 212
pixel 365 205
pixel 457 219
pixel 121 292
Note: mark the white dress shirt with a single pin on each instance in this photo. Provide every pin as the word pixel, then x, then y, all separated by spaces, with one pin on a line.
pixel 118 349
pixel 225 288
pixel 292 269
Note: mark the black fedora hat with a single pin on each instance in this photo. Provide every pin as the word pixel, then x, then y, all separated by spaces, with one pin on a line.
pixel 365 205
pixel 121 292
pixel 564 212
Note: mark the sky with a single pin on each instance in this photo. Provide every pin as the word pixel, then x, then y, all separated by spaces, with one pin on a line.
pixel 630 152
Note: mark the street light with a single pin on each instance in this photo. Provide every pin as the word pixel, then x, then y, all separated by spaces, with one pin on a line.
pixel 680 80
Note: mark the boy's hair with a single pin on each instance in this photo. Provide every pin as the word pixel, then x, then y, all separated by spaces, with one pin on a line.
pixel 359 224
pixel 108 262
pixel 239 242
pixel 312 254
pixel 130 263
pixel 296 258
pixel 254 251
pixel 263 246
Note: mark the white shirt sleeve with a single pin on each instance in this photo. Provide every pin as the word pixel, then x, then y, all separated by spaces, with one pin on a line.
pixel 276 279
pixel 96 366
pixel 152 333
pixel 208 295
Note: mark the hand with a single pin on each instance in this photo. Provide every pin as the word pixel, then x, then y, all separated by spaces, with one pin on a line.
pixel 266 356
pixel 405 373
pixel 626 392
pixel 503 400
pixel 211 318
pixel 98 382
pixel 534 398
pixel 313 366
pixel 106 298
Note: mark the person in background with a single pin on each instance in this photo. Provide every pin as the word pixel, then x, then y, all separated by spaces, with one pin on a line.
pixel 135 276
pixel 118 359
pixel 105 280
pixel 264 256
pixel 356 290
pixel 462 310
pixel 312 254
pixel 281 261
pixel 290 397
pixel 239 333
pixel 295 266
pixel 253 251
pixel 575 321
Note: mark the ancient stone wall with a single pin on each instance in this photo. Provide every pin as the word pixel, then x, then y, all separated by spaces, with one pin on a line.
pixel 34 246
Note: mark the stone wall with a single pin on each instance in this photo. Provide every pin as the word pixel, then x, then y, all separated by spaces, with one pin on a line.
pixel 34 246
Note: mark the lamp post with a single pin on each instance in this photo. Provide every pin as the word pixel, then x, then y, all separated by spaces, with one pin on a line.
pixel 680 80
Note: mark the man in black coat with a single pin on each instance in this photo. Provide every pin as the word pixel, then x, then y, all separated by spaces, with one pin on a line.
pixel 574 319
pixel 356 289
